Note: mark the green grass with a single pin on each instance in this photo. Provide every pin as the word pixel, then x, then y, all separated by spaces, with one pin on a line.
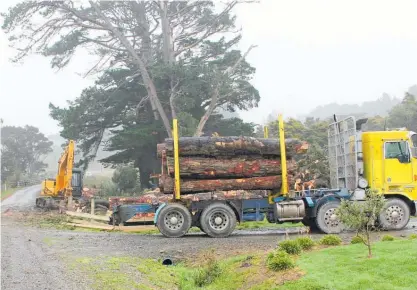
pixel 266 224
pixel 393 266
pixel 343 267
pixel 7 193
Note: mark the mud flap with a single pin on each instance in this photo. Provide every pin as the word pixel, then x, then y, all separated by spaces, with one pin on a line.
pixel 157 212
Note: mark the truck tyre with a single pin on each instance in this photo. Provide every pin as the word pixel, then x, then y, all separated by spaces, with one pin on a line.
pixel 218 220
pixel 395 215
pixel 174 220
pixel 326 219
pixel 311 223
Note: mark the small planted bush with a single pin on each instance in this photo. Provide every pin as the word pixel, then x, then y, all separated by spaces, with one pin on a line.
pixel 412 237
pixel 279 260
pixel 292 247
pixel 305 243
pixel 387 238
pixel 331 240
pixel 356 240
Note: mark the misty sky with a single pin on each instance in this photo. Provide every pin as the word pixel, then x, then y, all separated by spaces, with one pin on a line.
pixel 309 53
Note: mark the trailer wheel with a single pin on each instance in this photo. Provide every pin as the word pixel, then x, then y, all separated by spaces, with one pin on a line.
pixel 174 220
pixel 326 219
pixel 395 215
pixel 218 220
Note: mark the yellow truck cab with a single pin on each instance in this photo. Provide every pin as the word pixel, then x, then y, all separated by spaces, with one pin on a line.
pixel 384 161
pixel 390 167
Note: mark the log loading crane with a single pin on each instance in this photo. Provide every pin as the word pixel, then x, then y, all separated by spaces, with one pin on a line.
pixel 67 184
pixel 384 161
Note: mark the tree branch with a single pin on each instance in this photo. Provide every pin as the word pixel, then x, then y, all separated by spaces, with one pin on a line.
pixel 141 64
pixel 215 94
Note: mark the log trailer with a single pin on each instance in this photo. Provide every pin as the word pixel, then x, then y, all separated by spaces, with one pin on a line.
pixel 67 184
pixel 384 161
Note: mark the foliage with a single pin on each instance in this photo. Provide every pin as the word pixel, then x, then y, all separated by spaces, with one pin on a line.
pixel 306 243
pixel 412 237
pixel 292 247
pixel 146 76
pixel 279 260
pixel 404 114
pixel 21 152
pixel 125 178
pixel 362 216
pixel 356 240
pixel 209 273
pixel 313 131
pixel 331 240
pixel 387 238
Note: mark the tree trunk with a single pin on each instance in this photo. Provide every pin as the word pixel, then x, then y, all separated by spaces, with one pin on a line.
pixel 232 146
pixel 206 185
pixel 211 168
pixel 147 80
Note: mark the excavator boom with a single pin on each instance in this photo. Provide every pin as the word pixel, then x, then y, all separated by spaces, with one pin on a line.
pixel 61 187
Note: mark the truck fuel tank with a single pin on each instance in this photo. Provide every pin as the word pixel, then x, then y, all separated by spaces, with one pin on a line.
pixel 289 210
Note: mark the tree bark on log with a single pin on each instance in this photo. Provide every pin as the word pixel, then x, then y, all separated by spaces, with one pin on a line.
pixel 213 168
pixel 232 146
pixel 206 185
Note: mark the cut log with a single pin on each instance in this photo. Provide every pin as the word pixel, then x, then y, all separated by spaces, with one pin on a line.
pixel 217 146
pixel 159 148
pixel 213 168
pixel 206 185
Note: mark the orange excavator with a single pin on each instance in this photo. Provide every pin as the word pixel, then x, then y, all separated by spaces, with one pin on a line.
pixel 67 183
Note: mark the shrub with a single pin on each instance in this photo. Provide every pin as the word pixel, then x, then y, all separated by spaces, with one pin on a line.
pixel 211 271
pixel 356 240
pixel 207 275
pixel 305 243
pixel 290 246
pixel 279 260
pixel 387 238
pixel 412 237
pixel 331 240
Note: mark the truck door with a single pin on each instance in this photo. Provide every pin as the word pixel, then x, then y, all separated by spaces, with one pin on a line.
pixel 398 168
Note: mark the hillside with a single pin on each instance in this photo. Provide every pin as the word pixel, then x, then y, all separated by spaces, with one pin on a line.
pixel 380 107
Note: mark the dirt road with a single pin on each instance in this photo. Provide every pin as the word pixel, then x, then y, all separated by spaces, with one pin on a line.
pixel 23 199
pixel 39 258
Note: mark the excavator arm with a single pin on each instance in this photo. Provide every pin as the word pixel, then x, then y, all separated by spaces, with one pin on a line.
pixel 64 175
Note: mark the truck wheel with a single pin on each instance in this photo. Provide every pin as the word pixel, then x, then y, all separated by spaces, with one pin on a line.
pixel 174 220
pixel 311 223
pixel 395 215
pixel 326 219
pixel 218 220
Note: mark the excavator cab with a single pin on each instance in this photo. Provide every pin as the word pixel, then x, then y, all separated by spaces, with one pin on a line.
pixel 77 182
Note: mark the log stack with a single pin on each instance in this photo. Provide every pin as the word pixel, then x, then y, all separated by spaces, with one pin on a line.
pixel 226 163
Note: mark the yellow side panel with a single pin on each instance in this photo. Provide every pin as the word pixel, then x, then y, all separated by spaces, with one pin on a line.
pixel 48 188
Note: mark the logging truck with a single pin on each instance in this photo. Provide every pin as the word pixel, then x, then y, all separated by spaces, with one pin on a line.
pixel 384 161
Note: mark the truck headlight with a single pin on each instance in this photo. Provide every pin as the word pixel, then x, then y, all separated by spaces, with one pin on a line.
pixel 362 183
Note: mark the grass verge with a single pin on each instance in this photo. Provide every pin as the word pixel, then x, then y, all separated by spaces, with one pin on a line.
pixel 343 267
pixel 393 266
pixel 7 193
pixel 266 224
